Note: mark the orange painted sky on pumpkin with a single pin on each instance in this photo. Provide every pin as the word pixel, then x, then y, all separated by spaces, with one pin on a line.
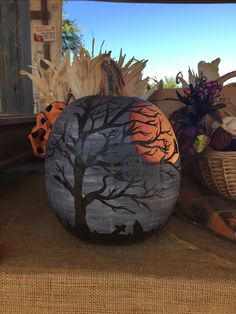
pixel 145 133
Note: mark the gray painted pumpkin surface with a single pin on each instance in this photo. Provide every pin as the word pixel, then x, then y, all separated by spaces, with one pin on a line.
pixel 112 167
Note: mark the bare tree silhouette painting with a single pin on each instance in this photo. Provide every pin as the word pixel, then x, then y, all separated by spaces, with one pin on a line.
pixel 106 129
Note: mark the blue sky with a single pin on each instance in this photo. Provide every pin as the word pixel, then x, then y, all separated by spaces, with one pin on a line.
pixel 171 36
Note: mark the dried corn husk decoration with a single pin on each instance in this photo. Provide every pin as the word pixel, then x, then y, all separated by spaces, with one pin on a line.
pixel 52 82
pixel 135 86
pixel 88 75
pixel 85 74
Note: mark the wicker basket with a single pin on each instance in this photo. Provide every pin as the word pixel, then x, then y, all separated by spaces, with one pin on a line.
pixel 217 171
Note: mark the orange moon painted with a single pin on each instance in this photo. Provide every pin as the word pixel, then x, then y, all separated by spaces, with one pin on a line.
pixel 152 134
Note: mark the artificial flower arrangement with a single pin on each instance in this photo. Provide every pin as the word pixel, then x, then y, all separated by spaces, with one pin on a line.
pixel 207 142
pixel 191 123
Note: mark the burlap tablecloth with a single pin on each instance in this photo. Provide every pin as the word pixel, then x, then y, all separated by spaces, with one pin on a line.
pixel 181 269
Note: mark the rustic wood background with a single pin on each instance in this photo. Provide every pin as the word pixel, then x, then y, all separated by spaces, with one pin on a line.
pixel 228 96
pixel 15 54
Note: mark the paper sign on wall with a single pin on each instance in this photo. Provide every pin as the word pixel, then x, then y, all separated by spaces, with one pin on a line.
pixel 44 33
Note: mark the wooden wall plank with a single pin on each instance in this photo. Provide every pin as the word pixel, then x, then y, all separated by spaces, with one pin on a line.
pixel 15 54
pixel 38 15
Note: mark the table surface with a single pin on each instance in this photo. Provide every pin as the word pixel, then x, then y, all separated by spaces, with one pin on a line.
pixel 37 244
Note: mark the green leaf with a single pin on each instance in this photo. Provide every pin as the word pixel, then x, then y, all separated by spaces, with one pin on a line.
pixel 71 35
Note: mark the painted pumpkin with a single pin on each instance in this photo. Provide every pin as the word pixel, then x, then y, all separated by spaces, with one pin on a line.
pixel 112 162
pixel 112 168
